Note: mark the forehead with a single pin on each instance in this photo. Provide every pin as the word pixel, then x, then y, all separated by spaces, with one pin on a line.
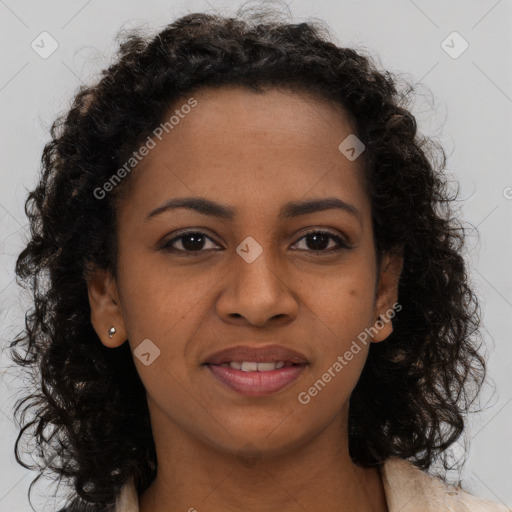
pixel 275 111
pixel 236 143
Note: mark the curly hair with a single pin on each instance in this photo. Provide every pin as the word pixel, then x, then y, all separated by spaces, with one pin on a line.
pixel 416 386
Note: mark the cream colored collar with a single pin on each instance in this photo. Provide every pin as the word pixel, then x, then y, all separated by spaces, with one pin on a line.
pixel 407 488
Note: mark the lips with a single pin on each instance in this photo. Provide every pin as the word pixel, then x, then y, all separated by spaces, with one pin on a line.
pixel 267 354
pixel 256 371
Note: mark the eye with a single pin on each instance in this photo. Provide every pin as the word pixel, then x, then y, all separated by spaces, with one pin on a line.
pixel 195 241
pixel 190 241
pixel 318 239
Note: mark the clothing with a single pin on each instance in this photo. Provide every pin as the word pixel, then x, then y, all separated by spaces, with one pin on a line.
pixel 407 489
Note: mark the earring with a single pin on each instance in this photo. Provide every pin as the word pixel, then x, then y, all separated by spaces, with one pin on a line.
pixel 111 332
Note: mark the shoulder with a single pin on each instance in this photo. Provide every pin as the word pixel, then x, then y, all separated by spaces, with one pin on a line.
pixel 77 506
pixel 126 501
pixel 409 489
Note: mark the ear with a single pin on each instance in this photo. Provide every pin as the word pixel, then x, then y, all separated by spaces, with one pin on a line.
pixel 106 309
pixel 387 294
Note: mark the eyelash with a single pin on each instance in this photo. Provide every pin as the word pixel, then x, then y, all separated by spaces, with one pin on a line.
pixel 341 243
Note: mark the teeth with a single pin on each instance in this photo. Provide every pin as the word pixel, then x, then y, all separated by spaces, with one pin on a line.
pixel 252 366
pixel 249 366
pixel 265 367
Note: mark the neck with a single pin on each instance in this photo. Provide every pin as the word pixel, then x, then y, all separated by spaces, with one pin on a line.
pixel 317 475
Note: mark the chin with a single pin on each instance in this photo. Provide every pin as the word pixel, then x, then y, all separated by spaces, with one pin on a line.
pixel 259 439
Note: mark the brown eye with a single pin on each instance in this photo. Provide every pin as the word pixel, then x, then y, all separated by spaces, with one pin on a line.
pixel 318 241
pixel 195 242
pixel 191 241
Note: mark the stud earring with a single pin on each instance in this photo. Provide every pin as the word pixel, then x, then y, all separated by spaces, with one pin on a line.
pixel 111 332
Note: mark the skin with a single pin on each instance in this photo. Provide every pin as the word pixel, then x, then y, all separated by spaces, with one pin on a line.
pixel 219 450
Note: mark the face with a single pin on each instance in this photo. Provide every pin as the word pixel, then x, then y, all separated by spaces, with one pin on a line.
pixel 269 266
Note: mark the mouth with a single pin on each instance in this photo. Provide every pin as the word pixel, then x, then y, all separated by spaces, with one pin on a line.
pixel 255 371
pixel 254 366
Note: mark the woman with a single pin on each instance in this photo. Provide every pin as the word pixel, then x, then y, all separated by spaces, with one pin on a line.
pixel 248 285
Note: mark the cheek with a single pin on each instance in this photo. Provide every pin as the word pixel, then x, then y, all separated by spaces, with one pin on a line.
pixel 343 312
pixel 342 350
pixel 331 384
pixel 344 303
pixel 159 299
pixel 168 308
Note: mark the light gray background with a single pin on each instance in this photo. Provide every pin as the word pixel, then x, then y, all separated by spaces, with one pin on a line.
pixel 469 112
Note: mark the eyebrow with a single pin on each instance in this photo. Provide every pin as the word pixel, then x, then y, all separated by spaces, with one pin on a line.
pixel 289 210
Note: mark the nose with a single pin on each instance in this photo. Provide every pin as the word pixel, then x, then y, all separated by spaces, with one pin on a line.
pixel 257 293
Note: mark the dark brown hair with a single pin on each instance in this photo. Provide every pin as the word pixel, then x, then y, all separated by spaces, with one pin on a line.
pixel 91 423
